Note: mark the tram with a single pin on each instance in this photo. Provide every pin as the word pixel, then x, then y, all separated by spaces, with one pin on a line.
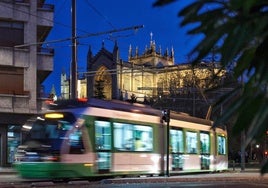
pixel 114 138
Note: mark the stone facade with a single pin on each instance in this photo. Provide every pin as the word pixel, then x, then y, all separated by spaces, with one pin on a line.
pixel 24 65
pixel 152 77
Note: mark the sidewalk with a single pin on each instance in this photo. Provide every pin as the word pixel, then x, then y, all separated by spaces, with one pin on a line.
pixel 7 170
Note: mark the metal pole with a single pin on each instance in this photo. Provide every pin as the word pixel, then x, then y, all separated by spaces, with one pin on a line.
pixel 168 148
pixel 167 119
pixel 243 148
pixel 74 53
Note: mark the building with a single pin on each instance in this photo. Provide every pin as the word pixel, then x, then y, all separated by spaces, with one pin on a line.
pixel 24 65
pixel 150 77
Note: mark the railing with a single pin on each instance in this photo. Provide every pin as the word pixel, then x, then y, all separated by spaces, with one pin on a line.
pixel 14 103
pixel 47 7
pixel 10 103
pixel 40 5
pixel 9 92
pixel 48 51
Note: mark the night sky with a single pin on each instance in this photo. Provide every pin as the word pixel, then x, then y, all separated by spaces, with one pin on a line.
pixel 101 16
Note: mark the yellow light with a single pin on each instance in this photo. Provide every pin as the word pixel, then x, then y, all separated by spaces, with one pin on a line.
pixel 88 164
pixel 54 115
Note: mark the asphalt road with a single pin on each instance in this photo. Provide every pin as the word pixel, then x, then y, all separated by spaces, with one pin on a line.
pixel 233 179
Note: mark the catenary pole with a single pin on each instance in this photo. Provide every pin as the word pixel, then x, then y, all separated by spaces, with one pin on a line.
pixel 74 53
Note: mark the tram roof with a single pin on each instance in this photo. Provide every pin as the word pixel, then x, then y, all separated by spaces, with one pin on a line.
pixel 105 104
pixel 124 106
pixel 188 118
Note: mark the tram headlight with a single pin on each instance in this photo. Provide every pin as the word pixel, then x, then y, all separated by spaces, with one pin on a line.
pixel 54 115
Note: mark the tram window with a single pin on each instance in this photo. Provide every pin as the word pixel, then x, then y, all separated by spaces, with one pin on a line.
pixel 75 142
pixel 133 137
pixel 51 131
pixel 221 145
pixel 204 143
pixel 38 130
pixel 191 142
pixel 57 129
pixel 177 144
pixel 102 135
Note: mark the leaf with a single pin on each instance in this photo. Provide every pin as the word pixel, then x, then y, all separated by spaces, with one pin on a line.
pixel 240 29
pixel 163 2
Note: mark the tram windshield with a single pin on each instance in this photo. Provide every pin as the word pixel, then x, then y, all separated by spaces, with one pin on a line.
pixel 51 129
pixel 47 134
pixel 46 131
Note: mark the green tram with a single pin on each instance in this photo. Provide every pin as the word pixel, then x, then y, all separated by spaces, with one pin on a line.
pixel 106 138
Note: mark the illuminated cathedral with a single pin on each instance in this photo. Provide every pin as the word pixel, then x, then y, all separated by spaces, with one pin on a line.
pixel 147 75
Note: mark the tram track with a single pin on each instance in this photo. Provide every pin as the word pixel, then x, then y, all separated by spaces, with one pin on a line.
pixel 250 177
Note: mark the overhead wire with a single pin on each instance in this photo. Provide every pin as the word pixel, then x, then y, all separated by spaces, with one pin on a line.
pixel 110 37
pixel 69 38
pixel 82 36
pixel 44 18
pixel 31 14
pixel 100 14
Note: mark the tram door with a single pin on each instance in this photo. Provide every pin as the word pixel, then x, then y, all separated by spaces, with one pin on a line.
pixel 205 150
pixel 103 145
pixel 177 149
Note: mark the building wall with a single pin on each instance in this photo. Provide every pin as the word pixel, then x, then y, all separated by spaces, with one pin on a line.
pixel 24 65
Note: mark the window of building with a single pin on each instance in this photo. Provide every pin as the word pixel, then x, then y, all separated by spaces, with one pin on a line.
pixel 15 79
pixel 130 137
pixel 221 145
pixel 14 140
pixel 191 142
pixel 12 33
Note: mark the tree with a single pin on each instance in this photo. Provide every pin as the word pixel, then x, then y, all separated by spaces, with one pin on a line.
pixel 99 89
pixel 239 29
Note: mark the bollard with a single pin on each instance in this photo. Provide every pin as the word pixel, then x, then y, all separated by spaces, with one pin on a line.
pixel 233 165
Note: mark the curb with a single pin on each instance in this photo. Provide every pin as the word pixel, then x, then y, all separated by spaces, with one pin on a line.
pixel 7 171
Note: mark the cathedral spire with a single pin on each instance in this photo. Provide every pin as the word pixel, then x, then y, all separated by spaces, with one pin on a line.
pixel 116 51
pixel 166 53
pixel 89 57
pixel 130 52
pixel 172 54
pixel 137 51
pixel 151 41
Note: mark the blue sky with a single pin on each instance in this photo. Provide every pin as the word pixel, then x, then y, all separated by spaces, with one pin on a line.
pixel 98 16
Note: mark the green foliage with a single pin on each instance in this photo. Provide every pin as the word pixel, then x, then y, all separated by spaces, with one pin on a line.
pixel 239 29
pixel 99 89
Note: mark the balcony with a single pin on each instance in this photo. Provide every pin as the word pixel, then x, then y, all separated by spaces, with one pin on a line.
pixel 20 104
pixel 20 58
pixel 20 11
pixel 44 63
pixel 14 103
pixel 45 59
